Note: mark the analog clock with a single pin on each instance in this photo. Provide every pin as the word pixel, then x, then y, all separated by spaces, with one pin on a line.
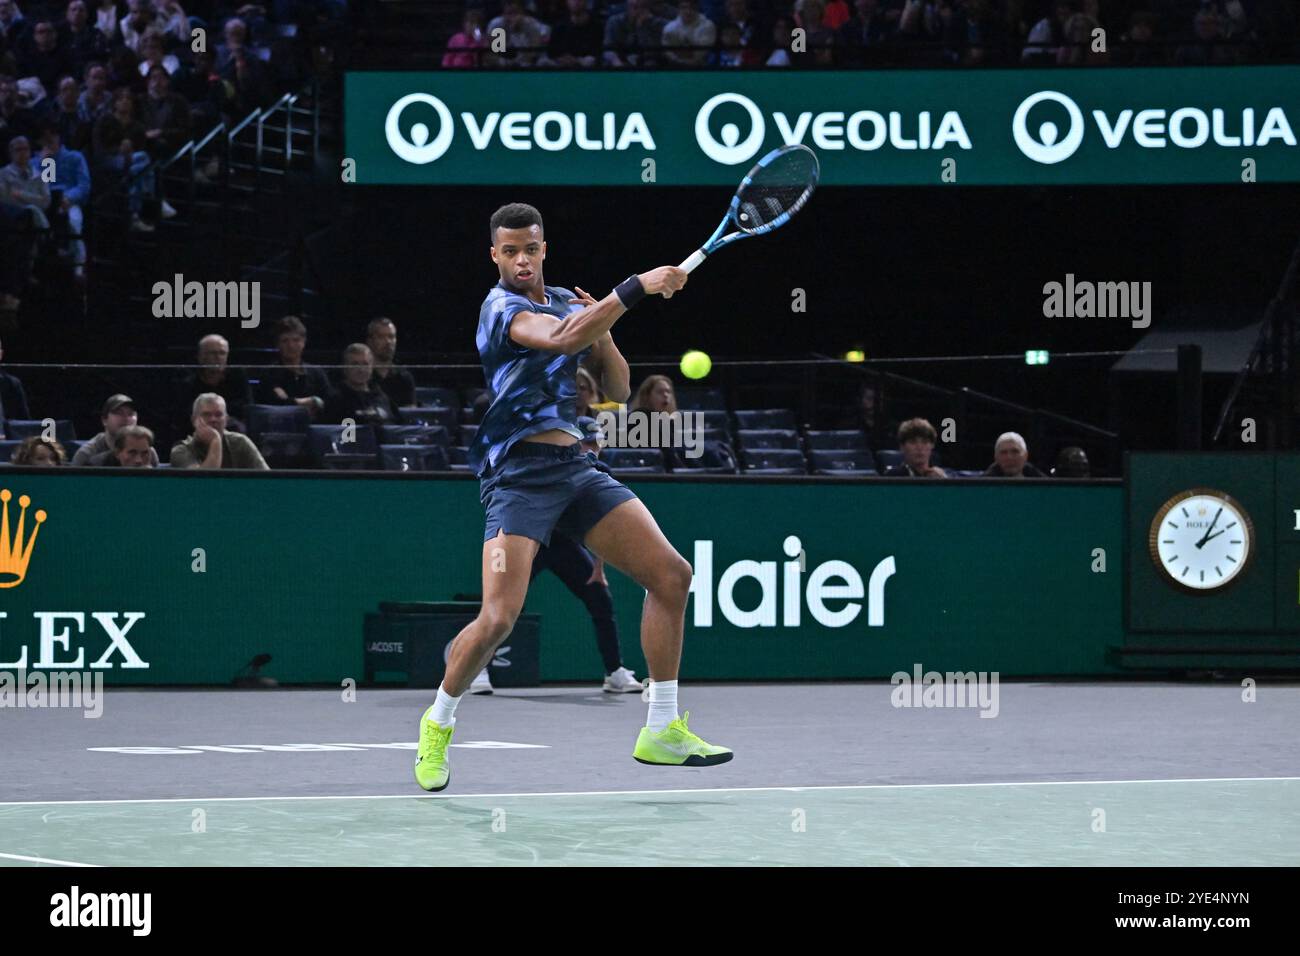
pixel 1201 540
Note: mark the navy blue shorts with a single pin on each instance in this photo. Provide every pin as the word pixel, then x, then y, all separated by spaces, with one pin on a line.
pixel 540 488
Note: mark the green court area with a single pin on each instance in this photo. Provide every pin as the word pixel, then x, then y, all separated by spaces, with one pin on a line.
pixel 1234 822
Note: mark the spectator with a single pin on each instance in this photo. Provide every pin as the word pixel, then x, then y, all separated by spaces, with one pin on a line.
pixel 12 24
pixel 1072 462
pixel 782 37
pixel 590 401
pixel 521 33
pixel 119 141
pixel 837 14
pixel 13 398
pixel 576 40
pixel 1011 459
pixel 292 382
pixel 655 395
pixel 251 80
pixel 15 119
pixel 690 29
pixel 1205 46
pixel 235 35
pixel 633 36
pixel 358 397
pixel 24 199
pixel 729 52
pixel 750 35
pixel 213 376
pixel 470 39
pixel 916 438
pixel 143 19
pixel 865 31
pixel 72 189
pixel 80 38
pixel 165 116
pixel 132 448
pixel 64 114
pixel 397 383
pixel 1138 48
pixel 96 100
pixel 107 20
pixel 819 38
pixel 211 445
pixel 38 451
pixel 154 53
pixel 1078 47
pixel 1042 46
pixel 212 97
pixel 118 412
pixel 45 59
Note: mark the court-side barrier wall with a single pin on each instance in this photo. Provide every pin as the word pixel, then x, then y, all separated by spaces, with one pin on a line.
pixel 183 578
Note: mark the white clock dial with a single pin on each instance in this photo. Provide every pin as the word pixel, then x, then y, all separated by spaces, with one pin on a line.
pixel 1201 539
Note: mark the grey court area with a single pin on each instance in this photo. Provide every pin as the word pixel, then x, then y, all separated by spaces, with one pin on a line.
pixel 1065 774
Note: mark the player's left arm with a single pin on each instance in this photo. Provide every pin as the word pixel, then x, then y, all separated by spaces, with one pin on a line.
pixel 606 362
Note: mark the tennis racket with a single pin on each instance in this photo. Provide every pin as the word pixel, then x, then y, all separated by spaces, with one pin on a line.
pixel 768 197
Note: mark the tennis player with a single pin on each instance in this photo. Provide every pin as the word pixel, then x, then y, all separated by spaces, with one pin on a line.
pixel 535 478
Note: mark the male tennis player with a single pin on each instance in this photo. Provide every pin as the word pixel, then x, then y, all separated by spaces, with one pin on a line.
pixel 535 478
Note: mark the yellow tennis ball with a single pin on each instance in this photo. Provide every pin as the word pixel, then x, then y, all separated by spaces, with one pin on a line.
pixel 696 364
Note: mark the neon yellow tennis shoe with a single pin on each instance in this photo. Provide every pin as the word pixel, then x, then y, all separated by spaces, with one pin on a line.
pixel 432 767
pixel 676 746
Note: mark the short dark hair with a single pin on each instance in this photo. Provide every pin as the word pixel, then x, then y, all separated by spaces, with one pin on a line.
pixel 290 325
pixel 916 428
pixel 515 215
pixel 131 431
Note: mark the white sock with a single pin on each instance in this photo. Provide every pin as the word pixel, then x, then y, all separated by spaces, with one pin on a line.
pixel 443 710
pixel 663 704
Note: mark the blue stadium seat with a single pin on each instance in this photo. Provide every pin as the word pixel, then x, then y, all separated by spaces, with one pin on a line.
pixel 634 461
pixel 774 461
pixel 716 419
pixel 467 433
pixel 27 427
pixel 843 461
pixel 349 462
pixel 276 418
pixel 830 440
pixel 765 418
pixel 285 449
pixel 700 399
pixel 325 439
pixel 717 459
pixel 458 458
pixel 413 457
pixel 436 395
pixel 470 394
pixel 752 438
pixel 888 459
pixel 429 415
pixel 414 435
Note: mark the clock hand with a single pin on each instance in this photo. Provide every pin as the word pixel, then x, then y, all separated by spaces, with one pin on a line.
pixel 1201 543
pixel 1215 535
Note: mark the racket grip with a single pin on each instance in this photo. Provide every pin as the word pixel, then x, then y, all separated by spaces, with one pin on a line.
pixel 692 261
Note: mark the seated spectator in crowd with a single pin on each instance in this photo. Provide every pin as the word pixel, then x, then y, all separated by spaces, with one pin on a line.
pixel 13 398
pixel 144 18
pixel 214 377
pixel 397 383
pixel 729 52
pixel 1011 459
pixel 153 52
pixel 819 38
pixel 63 111
pixel 12 23
pixel 108 18
pixel 292 382
pixel 782 38
pixel 15 119
pixel 1072 462
pixel 576 39
pixel 1042 45
pixel 862 34
pixel 689 29
pixel 132 448
pixel 24 200
pixel 633 36
pixel 1136 47
pixel 466 43
pixel 120 143
pixel 916 438
pixel 357 396
pixel 44 59
pixel 211 96
pixel 71 187
pixel 655 395
pixel 235 36
pixel 521 33
pixel 251 79
pixel 748 36
pixel 837 14
pixel 1078 48
pixel 165 116
pixel 40 451
pixel 96 99
pixel 118 413
pixel 591 400
pixel 80 38
pixel 1206 46
pixel 211 445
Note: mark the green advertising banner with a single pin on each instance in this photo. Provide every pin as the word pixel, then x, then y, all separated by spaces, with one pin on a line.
pixel 971 127
pixel 183 578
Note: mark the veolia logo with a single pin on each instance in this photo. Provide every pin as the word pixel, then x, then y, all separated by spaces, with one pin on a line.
pixel 833 581
pixel 731 150
pixel 419 149
pixel 1049 147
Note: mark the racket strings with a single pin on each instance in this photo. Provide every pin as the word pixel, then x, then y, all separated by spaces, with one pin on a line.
pixel 776 190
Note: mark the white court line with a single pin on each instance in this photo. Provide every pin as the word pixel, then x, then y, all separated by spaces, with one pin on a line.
pixel 41 859
pixel 629 793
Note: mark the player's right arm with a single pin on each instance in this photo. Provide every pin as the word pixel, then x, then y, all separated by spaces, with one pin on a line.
pixel 572 334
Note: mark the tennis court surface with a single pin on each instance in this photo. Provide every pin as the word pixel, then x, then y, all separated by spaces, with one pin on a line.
pixel 1084 774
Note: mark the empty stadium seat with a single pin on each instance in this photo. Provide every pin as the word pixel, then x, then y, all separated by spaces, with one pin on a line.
pixel 426 396
pixel 413 457
pixel 767 438
pixel 765 418
pixel 843 461
pixel 325 439
pixel 348 462
pixel 700 399
pixel 285 449
pixel 458 458
pixel 774 461
pixel 888 459
pixel 27 427
pixel 467 433
pixel 717 458
pixel 429 415
pixel 276 418
pixel 828 440
pixel 414 435
pixel 715 418
pixel 634 461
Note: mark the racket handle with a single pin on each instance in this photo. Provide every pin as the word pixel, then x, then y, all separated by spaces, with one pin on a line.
pixel 692 261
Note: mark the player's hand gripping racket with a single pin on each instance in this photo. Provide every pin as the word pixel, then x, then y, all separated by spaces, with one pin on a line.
pixel 767 199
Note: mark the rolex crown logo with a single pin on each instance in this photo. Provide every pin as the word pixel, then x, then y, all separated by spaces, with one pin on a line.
pixel 15 553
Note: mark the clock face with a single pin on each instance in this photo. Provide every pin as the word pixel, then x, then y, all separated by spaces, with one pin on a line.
pixel 1201 539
